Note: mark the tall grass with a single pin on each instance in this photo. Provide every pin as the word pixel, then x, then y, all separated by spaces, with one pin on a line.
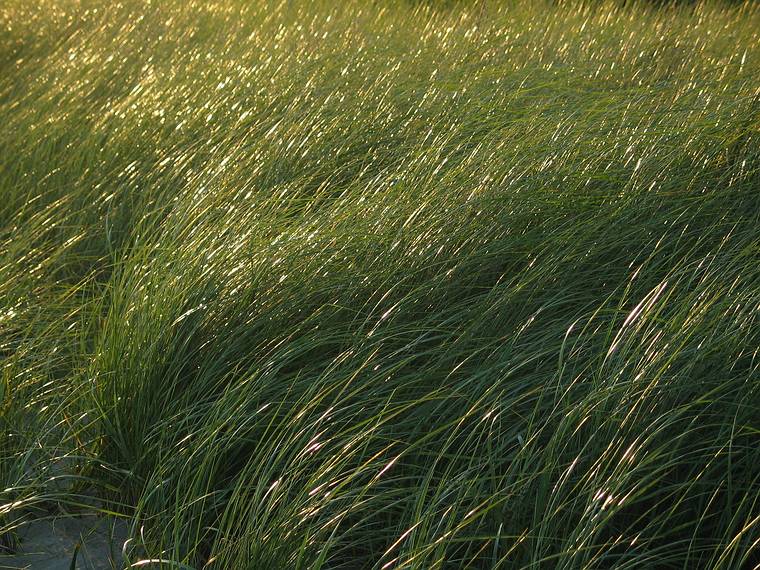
pixel 381 285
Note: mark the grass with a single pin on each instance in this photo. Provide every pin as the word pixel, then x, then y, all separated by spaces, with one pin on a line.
pixel 385 284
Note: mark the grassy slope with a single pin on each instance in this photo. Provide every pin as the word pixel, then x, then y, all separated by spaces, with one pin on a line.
pixel 375 286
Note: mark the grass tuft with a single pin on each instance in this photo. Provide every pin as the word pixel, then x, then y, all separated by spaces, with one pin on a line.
pixel 385 284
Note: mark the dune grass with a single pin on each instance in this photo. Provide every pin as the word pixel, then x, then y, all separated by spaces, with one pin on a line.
pixel 384 284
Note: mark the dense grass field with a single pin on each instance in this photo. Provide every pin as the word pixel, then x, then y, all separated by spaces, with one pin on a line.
pixel 383 284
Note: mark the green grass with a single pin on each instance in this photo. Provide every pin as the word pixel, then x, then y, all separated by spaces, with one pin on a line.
pixel 385 284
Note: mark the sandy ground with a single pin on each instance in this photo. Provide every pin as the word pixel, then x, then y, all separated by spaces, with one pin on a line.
pixel 50 544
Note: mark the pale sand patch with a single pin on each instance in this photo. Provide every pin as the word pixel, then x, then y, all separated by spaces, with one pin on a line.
pixel 50 544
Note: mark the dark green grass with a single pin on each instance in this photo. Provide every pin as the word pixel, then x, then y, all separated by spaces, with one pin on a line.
pixel 292 285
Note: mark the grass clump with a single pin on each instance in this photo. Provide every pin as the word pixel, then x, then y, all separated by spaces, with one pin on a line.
pixel 291 285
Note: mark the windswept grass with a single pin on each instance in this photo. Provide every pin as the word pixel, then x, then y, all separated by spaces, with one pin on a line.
pixel 384 284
